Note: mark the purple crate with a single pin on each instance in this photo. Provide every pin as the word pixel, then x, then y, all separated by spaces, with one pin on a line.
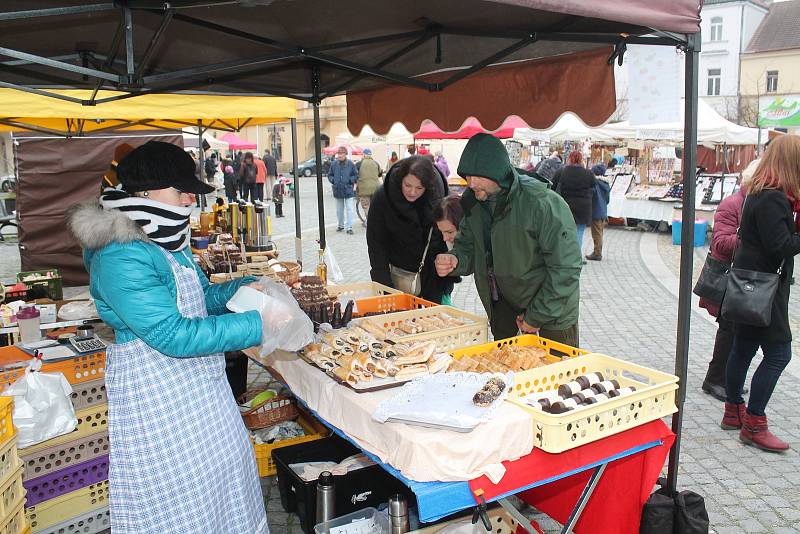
pixel 72 478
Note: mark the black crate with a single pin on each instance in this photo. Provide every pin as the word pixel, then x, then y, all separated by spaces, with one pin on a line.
pixel 356 490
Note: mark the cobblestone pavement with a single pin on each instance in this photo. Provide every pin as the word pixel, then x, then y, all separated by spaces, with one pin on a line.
pixel 629 310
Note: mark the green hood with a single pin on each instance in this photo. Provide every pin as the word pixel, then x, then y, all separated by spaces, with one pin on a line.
pixel 486 156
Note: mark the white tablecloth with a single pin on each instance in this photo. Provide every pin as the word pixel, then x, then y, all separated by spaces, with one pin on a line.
pixel 650 210
pixel 420 454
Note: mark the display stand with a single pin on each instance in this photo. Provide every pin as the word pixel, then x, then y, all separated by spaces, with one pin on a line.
pixel 648 442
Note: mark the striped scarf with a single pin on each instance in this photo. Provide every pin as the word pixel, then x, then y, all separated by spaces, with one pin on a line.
pixel 165 225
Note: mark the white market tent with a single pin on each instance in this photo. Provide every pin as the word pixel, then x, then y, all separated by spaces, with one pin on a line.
pixel 397 135
pixel 713 129
pixel 190 140
pixel 568 127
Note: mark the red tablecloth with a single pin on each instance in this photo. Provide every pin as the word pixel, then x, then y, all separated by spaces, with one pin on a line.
pixel 617 501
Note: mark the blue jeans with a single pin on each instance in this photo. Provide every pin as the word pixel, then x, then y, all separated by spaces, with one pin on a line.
pixel 581 228
pixel 776 358
pixel 344 212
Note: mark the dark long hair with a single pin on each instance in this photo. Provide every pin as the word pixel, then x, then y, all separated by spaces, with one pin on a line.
pixel 449 209
pixel 423 169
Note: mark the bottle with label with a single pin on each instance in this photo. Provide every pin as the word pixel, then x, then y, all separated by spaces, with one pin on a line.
pixel 322 269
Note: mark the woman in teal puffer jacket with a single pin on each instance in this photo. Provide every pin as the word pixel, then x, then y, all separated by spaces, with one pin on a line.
pixel 180 458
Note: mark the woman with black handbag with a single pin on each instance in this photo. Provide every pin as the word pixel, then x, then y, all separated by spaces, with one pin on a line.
pixel 402 237
pixel 762 267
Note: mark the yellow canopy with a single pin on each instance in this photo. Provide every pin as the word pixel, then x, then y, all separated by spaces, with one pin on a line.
pixel 22 111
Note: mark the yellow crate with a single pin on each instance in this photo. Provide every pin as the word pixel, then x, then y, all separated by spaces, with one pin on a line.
pixel 653 399
pixel 49 513
pixel 92 522
pixel 360 290
pixel 7 430
pixel 314 431
pixel 502 523
pixel 475 331
pixel 15 522
pixel 522 341
pixel 91 420
pixel 9 459
pixel 11 492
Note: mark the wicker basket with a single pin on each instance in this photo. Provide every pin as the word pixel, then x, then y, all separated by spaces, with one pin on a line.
pixel 291 275
pixel 276 410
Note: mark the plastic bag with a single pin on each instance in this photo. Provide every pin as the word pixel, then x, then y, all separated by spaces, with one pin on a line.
pixel 75 311
pixel 42 406
pixel 334 271
pixel 286 326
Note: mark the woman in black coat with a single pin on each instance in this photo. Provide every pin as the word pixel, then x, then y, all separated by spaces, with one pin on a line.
pixel 769 240
pixel 575 183
pixel 399 221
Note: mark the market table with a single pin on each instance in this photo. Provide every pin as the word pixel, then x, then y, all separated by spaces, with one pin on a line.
pixel 619 471
pixel 648 210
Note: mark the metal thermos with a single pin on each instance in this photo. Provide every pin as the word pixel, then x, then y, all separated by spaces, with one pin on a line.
pixel 398 514
pixel 262 231
pixel 250 224
pixel 235 218
pixel 326 498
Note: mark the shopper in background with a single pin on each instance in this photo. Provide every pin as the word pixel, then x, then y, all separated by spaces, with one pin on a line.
pixel 401 226
pixel 171 469
pixel 518 239
pixel 723 243
pixel 574 183
pixel 393 159
pixel 230 181
pixel 272 171
pixel 278 192
pixel 601 196
pixel 441 164
pixel 343 176
pixel 261 179
pixel 248 173
pixel 769 240
pixel 369 179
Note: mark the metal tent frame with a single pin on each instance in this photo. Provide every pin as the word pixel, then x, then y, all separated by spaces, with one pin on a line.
pixel 90 69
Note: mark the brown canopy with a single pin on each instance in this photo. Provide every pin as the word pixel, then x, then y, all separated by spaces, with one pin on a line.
pixel 270 48
pixel 537 91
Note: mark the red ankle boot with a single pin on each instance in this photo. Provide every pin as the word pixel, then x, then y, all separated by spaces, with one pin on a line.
pixel 734 414
pixel 755 432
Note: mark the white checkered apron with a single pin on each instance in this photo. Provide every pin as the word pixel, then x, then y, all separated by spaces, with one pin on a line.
pixel 181 460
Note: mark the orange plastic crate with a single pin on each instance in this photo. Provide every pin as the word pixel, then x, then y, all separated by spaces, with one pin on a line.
pixel 390 303
pixel 78 369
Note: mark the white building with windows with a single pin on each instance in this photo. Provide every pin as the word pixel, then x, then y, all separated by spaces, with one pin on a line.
pixel 727 27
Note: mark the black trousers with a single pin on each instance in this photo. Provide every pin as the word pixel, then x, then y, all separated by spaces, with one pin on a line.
pixel 723 343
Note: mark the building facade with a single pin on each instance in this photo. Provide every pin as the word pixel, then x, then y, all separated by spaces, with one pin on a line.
pixel 727 27
pixel 770 80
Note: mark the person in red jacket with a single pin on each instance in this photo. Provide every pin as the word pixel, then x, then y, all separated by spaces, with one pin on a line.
pixel 723 243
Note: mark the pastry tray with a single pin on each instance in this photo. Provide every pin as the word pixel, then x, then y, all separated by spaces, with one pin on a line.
pixel 377 384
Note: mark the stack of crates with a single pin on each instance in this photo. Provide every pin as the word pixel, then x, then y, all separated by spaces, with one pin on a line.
pixel 12 493
pixel 66 477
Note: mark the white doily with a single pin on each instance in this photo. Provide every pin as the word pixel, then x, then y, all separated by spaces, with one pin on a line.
pixel 443 399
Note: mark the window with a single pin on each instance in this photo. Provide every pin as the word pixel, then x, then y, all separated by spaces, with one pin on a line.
pixel 772 81
pixel 714 80
pixel 716 29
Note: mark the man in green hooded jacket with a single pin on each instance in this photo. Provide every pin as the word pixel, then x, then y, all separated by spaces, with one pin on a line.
pixel 518 238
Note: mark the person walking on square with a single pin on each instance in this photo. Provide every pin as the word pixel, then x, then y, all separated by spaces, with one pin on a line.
pixel 768 242
pixel 272 171
pixel 369 179
pixel 261 179
pixel 441 164
pixel 247 177
pixel 278 192
pixel 723 243
pixel 343 176
pixel 574 183
pixel 601 196
pixel 518 238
